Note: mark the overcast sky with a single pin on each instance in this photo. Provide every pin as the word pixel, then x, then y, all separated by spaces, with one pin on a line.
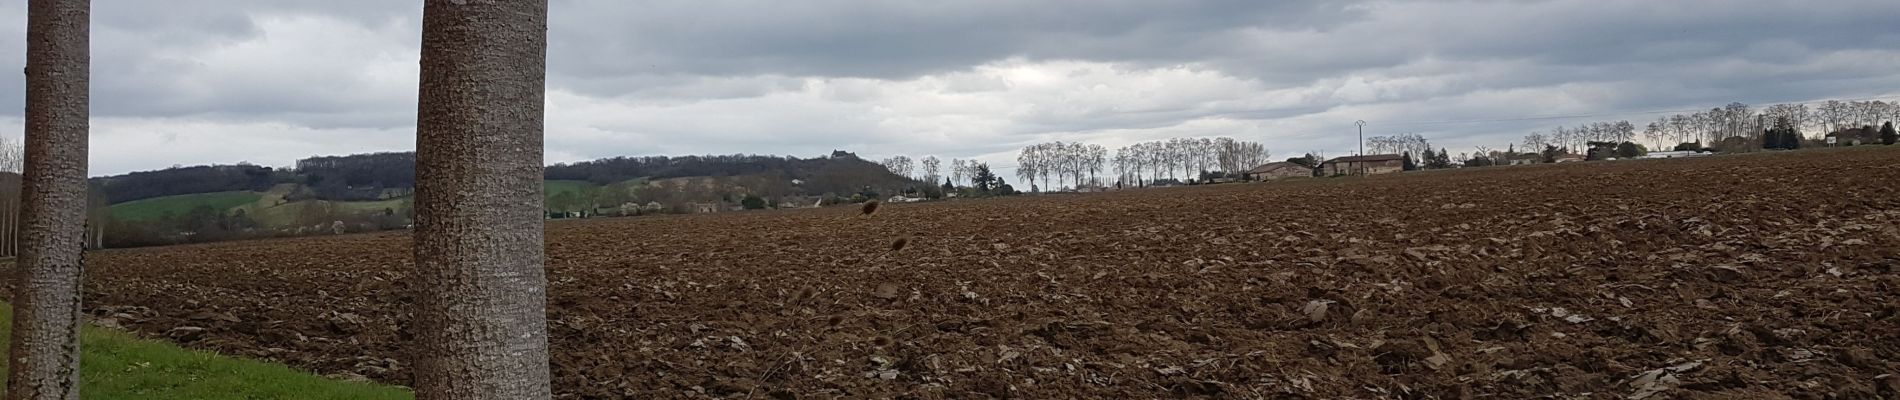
pixel 268 82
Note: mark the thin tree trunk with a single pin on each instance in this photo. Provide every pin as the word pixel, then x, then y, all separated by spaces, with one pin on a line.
pixel 44 361
pixel 12 212
pixel 13 222
pixel 480 316
pixel 7 214
pixel 16 217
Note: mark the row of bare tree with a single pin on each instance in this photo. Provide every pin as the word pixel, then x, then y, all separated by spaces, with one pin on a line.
pixel 1409 143
pixel 1577 138
pixel 1721 123
pixel 1145 163
pixel 934 171
pixel 1071 164
pixel 1052 165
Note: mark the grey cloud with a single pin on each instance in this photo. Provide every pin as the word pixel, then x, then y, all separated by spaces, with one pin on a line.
pixel 891 39
pixel 723 76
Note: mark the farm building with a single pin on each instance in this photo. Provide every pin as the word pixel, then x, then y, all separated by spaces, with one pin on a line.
pixel 1673 154
pixel 1525 158
pixel 703 208
pixel 1372 164
pixel 1278 170
pixel 1569 158
pixel 1853 136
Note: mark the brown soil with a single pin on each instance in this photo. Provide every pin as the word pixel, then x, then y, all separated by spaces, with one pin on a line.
pixel 1751 276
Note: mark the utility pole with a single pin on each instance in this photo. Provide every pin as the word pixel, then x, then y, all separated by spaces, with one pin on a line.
pixel 1362 146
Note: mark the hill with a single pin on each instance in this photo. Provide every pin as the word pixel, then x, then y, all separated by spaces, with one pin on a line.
pixel 155 208
pixel 841 173
pixel 187 180
pixel 383 176
pixel 365 192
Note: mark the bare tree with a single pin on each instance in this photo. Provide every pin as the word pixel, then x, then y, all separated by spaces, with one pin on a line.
pixel 899 165
pixel 45 348
pixel 1120 163
pixel 1124 167
pixel 931 167
pixel 1653 133
pixel 1867 113
pixel 1237 157
pixel 1029 164
pixel 1092 160
pixel 1893 112
pixel 1623 131
pixel 1054 164
pixel 1738 119
pixel 481 302
pixel 958 170
pixel 1796 114
pixel 1535 141
pixel 1834 115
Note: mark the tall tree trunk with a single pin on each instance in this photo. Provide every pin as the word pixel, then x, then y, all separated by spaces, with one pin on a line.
pixel 480 316
pixel 44 361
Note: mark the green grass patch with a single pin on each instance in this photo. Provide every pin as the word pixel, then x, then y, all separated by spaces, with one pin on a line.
pixel 576 188
pixel 116 365
pixel 156 207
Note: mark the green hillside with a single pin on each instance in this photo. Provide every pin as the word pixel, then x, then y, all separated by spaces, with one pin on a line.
pixel 577 192
pixel 573 188
pixel 154 208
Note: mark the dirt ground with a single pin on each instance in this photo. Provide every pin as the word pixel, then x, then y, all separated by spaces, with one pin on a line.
pixel 1749 276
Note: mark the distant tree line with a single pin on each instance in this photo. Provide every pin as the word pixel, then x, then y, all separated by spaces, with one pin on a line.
pixel 1144 164
pixel 186 180
pixel 616 169
pixel 840 173
pixel 357 177
pixel 1074 165
pixel 1732 127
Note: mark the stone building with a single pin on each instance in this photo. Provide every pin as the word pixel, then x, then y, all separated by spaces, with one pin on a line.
pixel 1371 164
pixel 1279 170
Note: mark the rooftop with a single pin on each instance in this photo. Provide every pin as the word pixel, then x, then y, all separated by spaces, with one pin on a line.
pixel 1275 165
pixel 1368 158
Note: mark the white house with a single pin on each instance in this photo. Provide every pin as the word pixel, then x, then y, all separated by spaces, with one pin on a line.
pixel 1673 154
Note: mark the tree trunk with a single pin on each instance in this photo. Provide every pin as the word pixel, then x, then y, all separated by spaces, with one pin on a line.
pixel 44 361
pixel 480 317
pixel 7 213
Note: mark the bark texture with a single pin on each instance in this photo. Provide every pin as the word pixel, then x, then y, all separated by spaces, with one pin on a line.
pixel 480 323
pixel 44 358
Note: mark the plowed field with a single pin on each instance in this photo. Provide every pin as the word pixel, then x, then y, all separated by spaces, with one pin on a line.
pixel 1749 276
